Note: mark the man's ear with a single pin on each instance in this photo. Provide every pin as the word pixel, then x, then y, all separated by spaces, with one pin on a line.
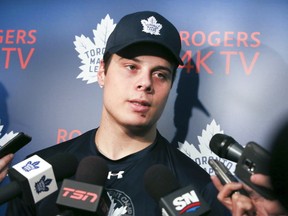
pixel 101 74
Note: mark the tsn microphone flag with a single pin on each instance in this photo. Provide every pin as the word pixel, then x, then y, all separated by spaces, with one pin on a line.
pixel 184 201
pixel 36 176
pixel 83 196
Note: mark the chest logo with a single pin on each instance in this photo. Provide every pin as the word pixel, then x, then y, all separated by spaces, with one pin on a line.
pixel 119 175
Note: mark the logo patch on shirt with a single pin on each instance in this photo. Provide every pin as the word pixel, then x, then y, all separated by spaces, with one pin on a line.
pixel 121 202
pixel 119 175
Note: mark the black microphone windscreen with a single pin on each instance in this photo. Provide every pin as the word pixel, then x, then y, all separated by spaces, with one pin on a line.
pixel 64 165
pixel 219 144
pixel 226 147
pixel 160 181
pixel 92 170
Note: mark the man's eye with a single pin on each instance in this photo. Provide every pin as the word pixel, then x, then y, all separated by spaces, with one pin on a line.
pixel 161 76
pixel 131 67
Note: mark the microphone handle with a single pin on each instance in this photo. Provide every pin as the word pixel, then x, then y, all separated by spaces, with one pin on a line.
pixel 9 191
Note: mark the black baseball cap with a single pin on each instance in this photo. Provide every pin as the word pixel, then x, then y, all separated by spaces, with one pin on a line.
pixel 144 27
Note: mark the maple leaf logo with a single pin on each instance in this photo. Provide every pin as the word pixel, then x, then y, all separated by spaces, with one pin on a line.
pixel 90 52
pixel 6 137
pixel 204 153
pixel 151 26
pixel 113 211
pixel 121 204
pixel 31 166
pixel 42 184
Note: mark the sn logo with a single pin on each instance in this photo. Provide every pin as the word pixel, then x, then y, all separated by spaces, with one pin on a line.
pixel 79 194
pixel 185 200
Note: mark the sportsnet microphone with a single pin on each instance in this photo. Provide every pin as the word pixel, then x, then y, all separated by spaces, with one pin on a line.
pixel 250 159
pixel 86 195
pixel 164 188
pixel 34 178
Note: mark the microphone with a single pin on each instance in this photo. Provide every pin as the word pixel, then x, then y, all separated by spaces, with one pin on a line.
pixel 253 157
pixel 250 159
pixel 163 187
pixel 226 147
pixel 34 178
pixel 86 194
pixel 12 142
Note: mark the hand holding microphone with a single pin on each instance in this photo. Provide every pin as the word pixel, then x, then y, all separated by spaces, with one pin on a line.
pixel 274 164
pixel 4 163
pixel 9 144
pixel 251 159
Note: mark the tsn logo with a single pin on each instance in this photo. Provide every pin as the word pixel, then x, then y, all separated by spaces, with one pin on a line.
pixel 79 194
pixel 187 202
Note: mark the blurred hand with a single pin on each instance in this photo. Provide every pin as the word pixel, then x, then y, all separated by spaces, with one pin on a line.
pixel 4 164
pixel 264 206
pixel 255 204
pixel 237 203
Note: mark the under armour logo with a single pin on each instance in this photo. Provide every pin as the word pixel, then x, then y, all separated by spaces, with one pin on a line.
pixel 119 174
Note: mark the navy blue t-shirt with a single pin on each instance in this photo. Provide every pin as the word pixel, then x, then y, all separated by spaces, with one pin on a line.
pixel 125 181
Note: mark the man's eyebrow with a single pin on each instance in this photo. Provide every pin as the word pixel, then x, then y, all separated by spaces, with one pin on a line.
pixel 164 68
pixel 132 59
pixel 160 67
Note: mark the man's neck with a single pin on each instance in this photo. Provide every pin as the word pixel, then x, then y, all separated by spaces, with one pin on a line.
pixel 117 142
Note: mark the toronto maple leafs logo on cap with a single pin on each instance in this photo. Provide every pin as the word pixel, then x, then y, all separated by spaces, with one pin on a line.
pixel 151 26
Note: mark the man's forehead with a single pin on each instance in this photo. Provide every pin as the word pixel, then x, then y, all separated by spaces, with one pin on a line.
pixel 146 49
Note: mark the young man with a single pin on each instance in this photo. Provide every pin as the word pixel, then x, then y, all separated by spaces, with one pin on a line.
pixel 140 62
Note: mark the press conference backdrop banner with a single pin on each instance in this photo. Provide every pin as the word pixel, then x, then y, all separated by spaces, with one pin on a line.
pixel 234 80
